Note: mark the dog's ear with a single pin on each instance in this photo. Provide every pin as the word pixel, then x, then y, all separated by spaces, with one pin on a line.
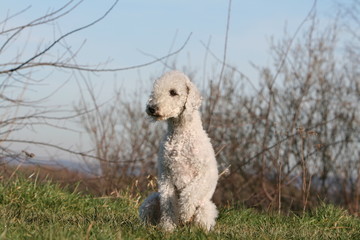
pixel 194 98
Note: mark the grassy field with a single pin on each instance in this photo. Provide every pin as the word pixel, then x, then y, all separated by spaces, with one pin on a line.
pixel 45 211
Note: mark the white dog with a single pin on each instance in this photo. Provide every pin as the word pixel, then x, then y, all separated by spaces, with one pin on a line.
pixel 187 169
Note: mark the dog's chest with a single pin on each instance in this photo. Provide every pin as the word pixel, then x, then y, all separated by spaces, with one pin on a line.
pixel 177 148
pixel 179 156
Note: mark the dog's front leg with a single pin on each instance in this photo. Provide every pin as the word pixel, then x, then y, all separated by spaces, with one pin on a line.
pixel 189 200
pixel 168 206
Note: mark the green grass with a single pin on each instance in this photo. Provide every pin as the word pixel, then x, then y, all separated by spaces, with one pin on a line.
pixel 45 211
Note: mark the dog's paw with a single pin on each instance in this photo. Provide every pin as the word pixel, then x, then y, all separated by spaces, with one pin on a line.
pixel 167 226
pixel 187 213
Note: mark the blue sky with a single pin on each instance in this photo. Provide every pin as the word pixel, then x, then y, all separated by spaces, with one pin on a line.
pixel 138 26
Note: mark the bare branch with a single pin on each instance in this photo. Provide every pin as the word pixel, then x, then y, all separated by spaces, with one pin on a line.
pixel 39 21
pixel 213 104
pixel 308 16
pixel 58 40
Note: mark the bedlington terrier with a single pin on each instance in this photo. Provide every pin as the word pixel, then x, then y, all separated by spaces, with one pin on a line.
pixel 187 168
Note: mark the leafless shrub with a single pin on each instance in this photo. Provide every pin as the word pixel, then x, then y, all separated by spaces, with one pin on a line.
pixel 125 144
pixel 290 143
pixel 23 70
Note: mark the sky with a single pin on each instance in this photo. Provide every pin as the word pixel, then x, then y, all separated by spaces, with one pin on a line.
pixel 136 32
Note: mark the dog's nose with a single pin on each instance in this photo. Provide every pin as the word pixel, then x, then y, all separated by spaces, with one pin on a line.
pixel 151 110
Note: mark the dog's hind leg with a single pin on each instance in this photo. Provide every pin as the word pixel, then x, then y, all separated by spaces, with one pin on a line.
pixel 150 209
pixel 205 215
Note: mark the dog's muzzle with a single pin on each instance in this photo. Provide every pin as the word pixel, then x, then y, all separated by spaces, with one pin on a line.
pixel 152 110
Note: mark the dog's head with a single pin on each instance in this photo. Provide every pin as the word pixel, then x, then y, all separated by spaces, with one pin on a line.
pixel 173 96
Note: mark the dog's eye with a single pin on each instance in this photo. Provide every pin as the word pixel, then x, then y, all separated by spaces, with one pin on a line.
pixel 173 92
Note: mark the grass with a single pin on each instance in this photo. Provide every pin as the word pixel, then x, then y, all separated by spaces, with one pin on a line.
pixel 45 211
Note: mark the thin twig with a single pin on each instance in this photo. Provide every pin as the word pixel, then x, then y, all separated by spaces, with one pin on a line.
pixel 291 41
pixel 213 104
pixel 60 38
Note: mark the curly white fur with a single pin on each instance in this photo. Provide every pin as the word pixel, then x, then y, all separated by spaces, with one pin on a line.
pixel 187 169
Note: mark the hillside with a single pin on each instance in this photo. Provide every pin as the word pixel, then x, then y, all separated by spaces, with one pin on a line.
pixel 30 210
